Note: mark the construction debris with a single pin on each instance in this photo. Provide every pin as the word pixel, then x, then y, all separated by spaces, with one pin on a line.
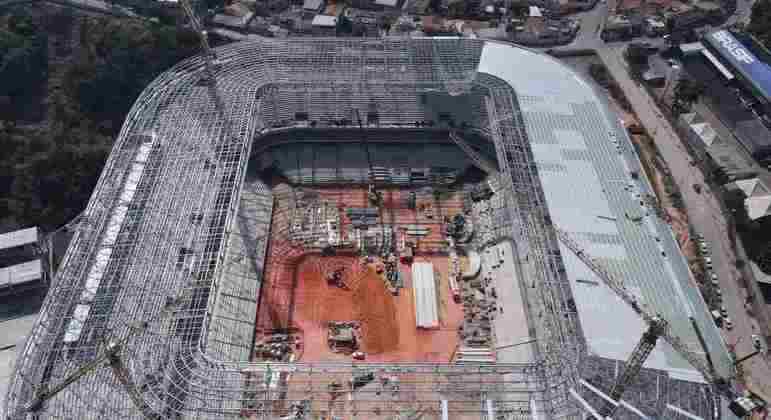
pixel 276 347
pixel 344 337
pixel 335 279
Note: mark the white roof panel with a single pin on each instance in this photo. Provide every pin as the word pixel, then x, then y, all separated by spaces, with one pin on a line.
pixel 758 207
pixel 389 3
pixel 324 20
pixel 21 273
pixel 585 160
pixel 19 237
pixel 312 4
pixel 718 65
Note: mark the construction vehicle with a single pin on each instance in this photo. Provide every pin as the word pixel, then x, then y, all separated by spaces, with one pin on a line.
pixel 335 279
pixel 657 328
pixel 362 380
pixel 374 196
pixel 342 337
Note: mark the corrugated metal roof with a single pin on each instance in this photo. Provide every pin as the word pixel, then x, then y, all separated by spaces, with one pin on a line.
pixel 19 238
pixel 718 65
pixel 312 4
pixel 21 273
pixel 691 48
pixel 389 3
pixel 426 314
pixel 705 133
pixel 324 20
pixel 587 160
pixel 758 207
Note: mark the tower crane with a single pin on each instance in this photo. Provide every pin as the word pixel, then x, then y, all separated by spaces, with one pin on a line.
pixel 482 163
pixel 111 355
pixel 374 196
pixel 658 327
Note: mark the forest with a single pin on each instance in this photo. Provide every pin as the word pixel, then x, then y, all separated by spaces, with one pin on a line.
pixel 74 78
pixel 760 22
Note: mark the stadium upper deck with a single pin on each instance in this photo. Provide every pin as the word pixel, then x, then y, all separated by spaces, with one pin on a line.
pixel 146 268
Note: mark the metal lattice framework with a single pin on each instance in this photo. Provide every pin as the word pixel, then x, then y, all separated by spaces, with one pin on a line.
pixel 155 255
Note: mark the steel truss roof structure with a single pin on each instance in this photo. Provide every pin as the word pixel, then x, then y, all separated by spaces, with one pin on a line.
pixel 151 265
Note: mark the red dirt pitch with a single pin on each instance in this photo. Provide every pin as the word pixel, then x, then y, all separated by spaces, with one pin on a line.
pixel 387 322
pixel 295 293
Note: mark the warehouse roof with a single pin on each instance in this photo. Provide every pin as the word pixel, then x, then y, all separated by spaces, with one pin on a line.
pixel 324 20
pixel 19 237
pixel 312 4
pixel 585 164
pixel 19 274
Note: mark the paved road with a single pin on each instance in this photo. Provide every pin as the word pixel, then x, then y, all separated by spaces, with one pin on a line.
pixel 704 212
pixel 742 14
pixel 97 6
pixel 592 22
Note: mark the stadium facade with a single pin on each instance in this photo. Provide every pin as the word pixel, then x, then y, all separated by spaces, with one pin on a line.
pixel 148 271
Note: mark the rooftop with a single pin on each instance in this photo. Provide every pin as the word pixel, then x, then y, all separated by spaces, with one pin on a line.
pixel 19 274
pixel 585 163
pixel 314 5
pixel 752 68
pixel 324 20
pixel 530 102
pixel 387 3
pixel 19 238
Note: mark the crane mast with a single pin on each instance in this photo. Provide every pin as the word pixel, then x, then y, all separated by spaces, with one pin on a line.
pixel 633 365
pixel 657 328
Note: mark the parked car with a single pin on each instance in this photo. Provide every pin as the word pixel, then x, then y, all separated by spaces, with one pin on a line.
pixel 728 324
pixel 713 280
pixel 756 342
pixel 723 311
pixel 708 263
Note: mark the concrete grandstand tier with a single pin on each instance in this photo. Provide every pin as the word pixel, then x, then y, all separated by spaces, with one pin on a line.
pixel 175 291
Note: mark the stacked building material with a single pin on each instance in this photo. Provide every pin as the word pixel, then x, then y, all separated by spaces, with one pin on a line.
pixel 426 314
pixel 362 216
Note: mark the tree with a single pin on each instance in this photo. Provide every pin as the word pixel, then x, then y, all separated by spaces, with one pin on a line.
pixel 687 91
pixel 599 73
pixel 760 22
pixel 47 174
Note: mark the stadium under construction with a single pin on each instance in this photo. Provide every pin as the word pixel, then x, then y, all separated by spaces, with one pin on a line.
pixel 436 228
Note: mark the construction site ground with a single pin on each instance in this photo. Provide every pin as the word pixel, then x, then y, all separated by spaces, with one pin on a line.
pixel 295 294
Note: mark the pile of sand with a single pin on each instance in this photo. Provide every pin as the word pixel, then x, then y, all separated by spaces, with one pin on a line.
pixel 376 310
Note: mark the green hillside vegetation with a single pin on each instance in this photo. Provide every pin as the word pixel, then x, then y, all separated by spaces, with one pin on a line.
pixel 760 22
pixel 51 159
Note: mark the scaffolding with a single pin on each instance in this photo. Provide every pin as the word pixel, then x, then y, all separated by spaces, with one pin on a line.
pixel 176 239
